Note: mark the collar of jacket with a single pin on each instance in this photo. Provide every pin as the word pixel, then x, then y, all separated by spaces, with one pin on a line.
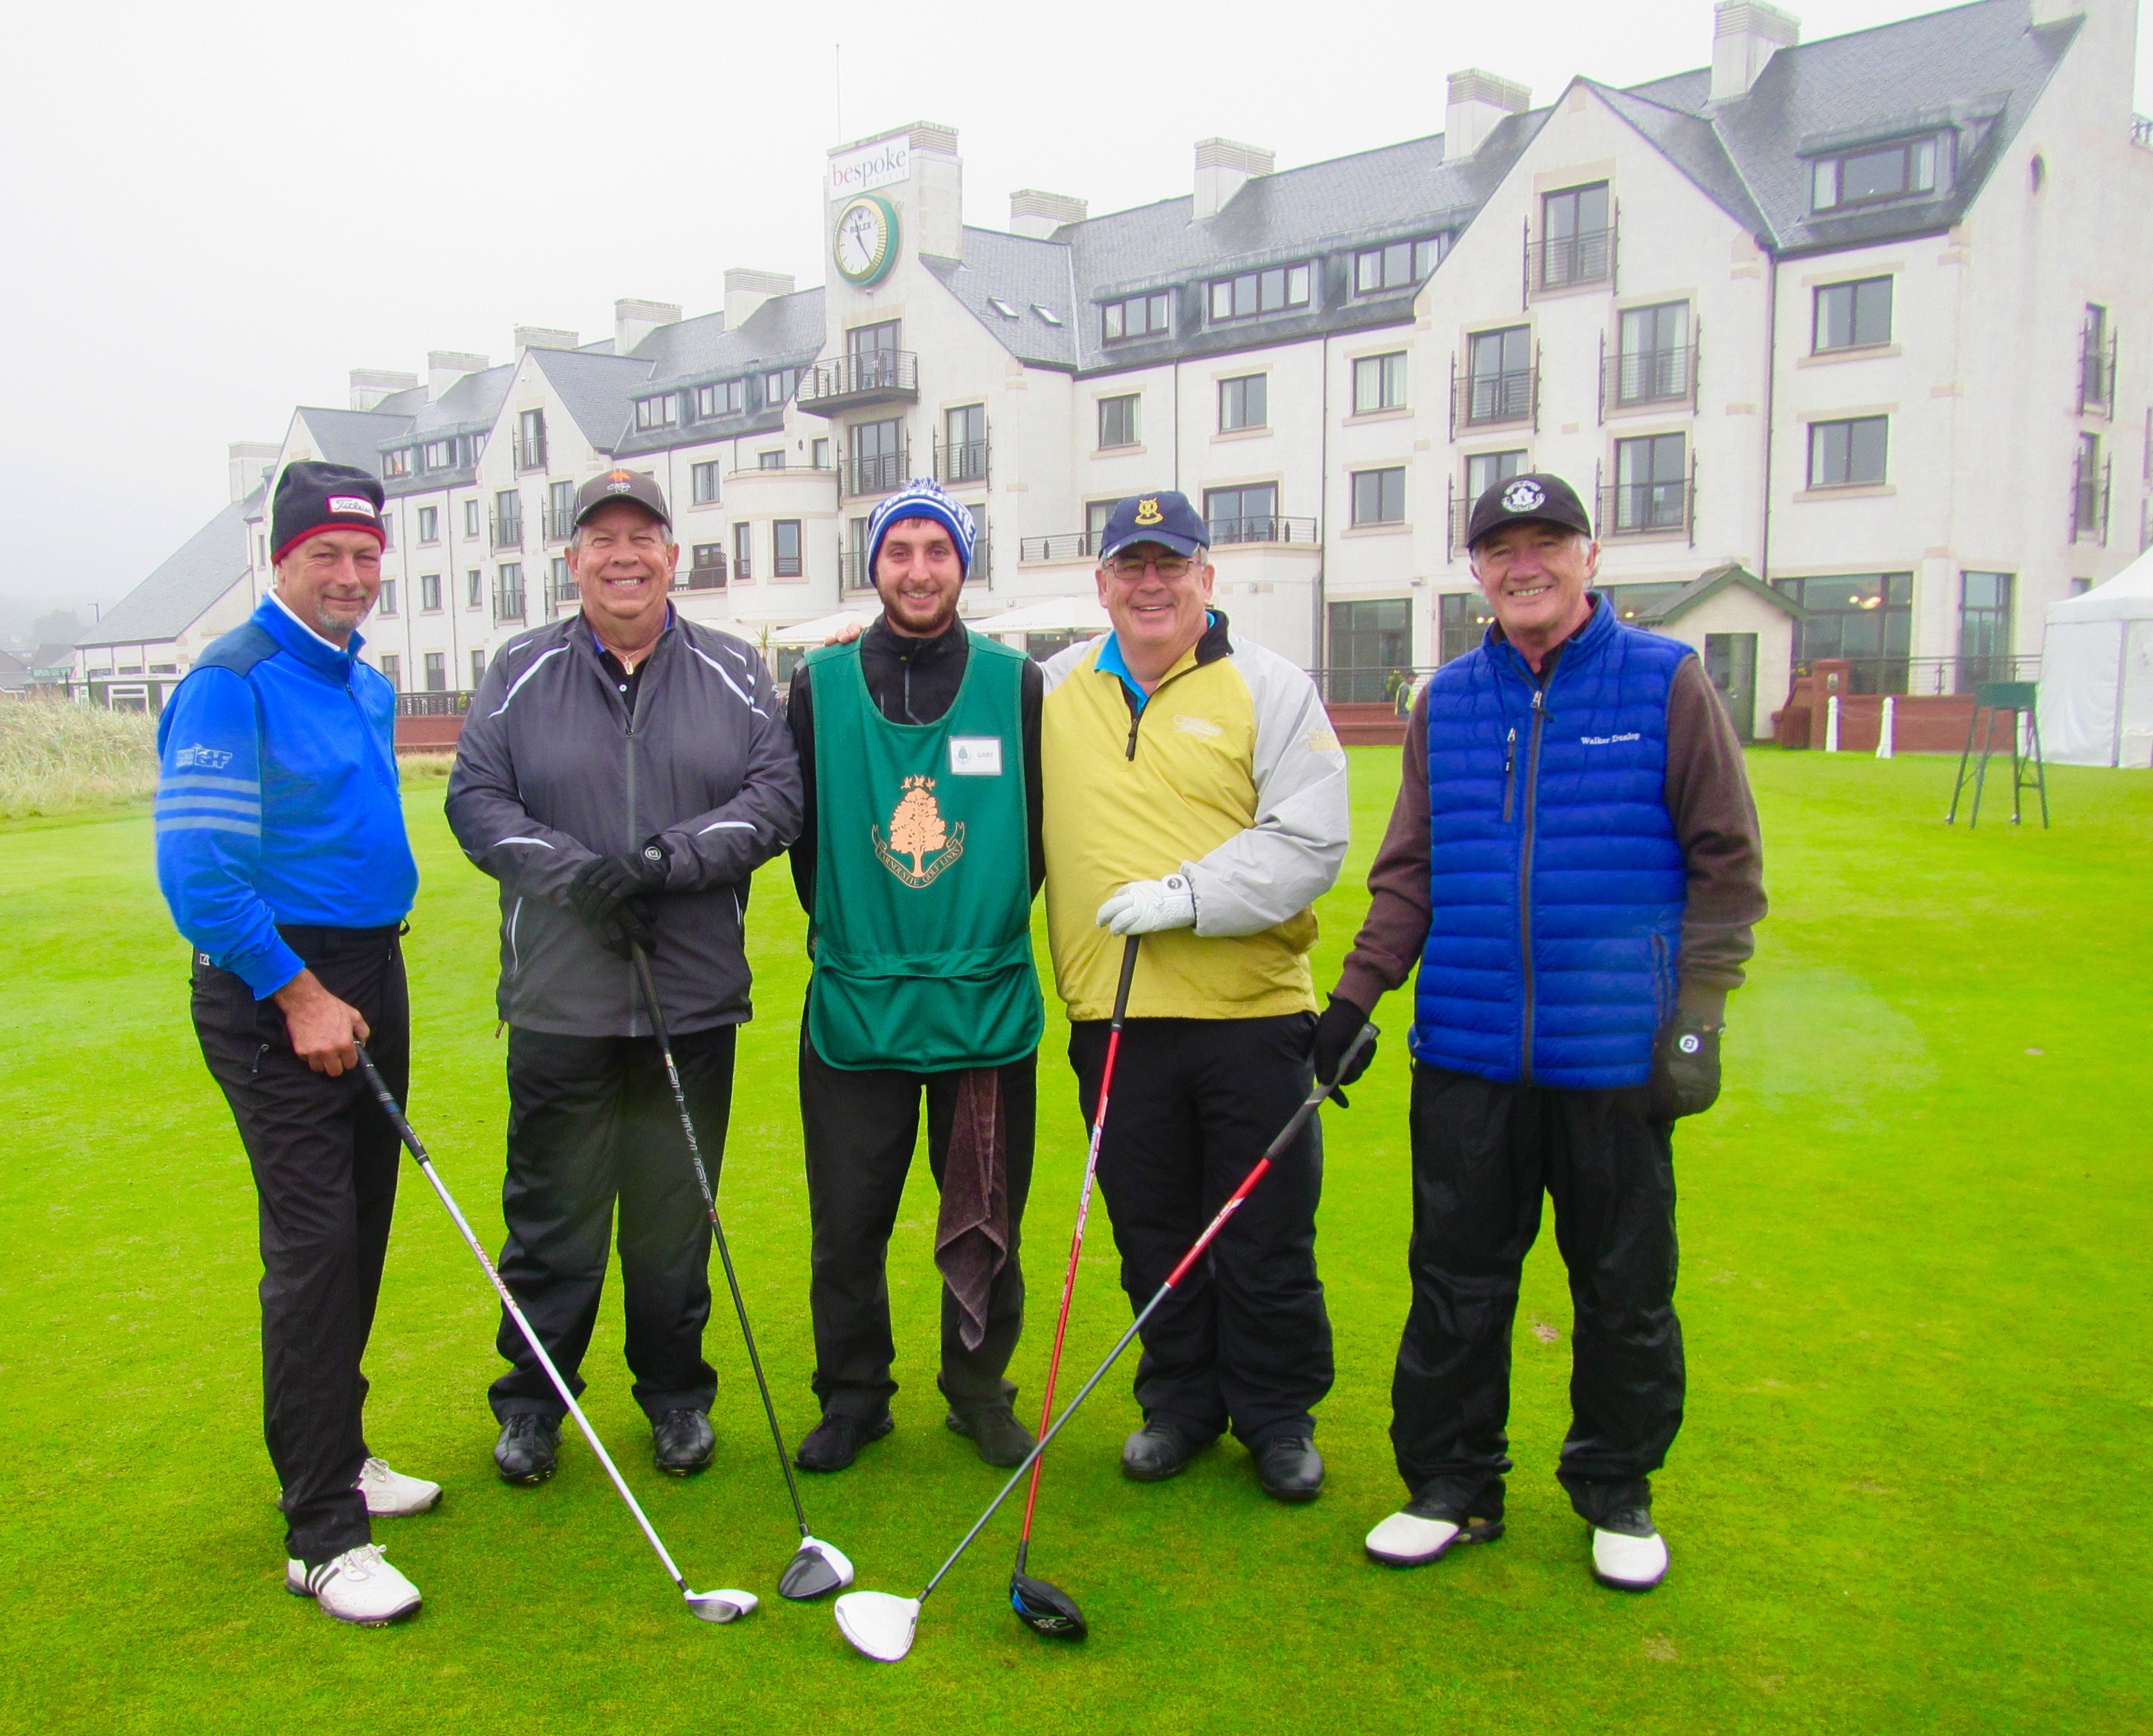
pixel 887 641
pixel 1212 644
pixel 1586 642
pixel 590 639
pixel 275 618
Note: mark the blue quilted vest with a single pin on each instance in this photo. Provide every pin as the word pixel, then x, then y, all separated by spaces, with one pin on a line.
pixel 1556 881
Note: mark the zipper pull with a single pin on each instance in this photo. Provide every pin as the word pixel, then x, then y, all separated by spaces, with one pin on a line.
pixel 1510 753
pixel 1538 693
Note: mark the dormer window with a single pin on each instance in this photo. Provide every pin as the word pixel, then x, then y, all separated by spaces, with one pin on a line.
pixel 1377 270
pixel 1873 174
pixel 725 398
pixel 1270 292
pixel 1001 307
pixel 439 455
pixel 397 463
pixel 656 412
pixel 1140 316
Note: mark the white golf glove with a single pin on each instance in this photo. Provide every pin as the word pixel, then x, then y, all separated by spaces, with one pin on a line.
pixel 1144 907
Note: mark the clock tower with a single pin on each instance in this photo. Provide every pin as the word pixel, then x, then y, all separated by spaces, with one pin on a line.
pixel 886 200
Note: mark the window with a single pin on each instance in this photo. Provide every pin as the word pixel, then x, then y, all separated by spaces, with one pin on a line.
pixel 474 589
pixel 261 542
pixel 879 457
pixel 1843 454
pixel 1852 316
pixel 437 672
pixel 1484 470
pixel 1047 314
pixel 771 461
pixel 1576 242
pixel 560 584
pixel 508 592
pixel 438 454
pixel 1651 361
pixel 1370 651
pixel 1984 628
pixel 872 353
pixel 1242 402
pixel 743 536
pixel 429 524
pixel 429 593
pixel 397 463
pixel 857 572
pixel 2088 492
pixel 478 668
pixel 1095 515
pixel 1463 620
pixel 818 454
pixel 1118 421
pixel 1883 171
pixel 1001 307
pixel 560 512
pixel 2096 361
pixel 1398 266
pixel 703 483
pixel 1379 383
pixel 1499 376
pixel 660 412
pixel 1379 496
pixel 508 519
pixel 1253 292
pixel 1140 316
pixel 778 385
pixel 1864 616
pixel 1242 514
pixel 964 444
pixel 392 666
pixel 706 566
pixel 531 439
pixel 727 397
pixel 388 530
pixel 470 517
pixel 785 548
pixel 1651 484
pixel 386 603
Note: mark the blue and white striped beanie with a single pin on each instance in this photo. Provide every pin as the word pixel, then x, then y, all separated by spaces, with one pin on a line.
pixel 922 497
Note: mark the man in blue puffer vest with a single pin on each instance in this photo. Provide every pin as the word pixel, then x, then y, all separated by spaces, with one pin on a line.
pixel 1573 860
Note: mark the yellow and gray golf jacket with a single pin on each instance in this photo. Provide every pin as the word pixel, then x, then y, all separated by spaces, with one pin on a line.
pixel 1230 773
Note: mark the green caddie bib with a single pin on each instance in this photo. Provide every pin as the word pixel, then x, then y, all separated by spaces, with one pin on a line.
pixel 923 874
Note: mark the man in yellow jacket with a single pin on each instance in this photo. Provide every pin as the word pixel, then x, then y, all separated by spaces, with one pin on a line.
pixel 1195 794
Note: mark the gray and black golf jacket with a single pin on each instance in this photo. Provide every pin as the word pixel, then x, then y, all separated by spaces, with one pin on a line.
pixel 554 767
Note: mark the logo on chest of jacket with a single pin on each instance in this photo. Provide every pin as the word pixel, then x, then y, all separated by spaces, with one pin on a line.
pixel 919 844
pixel 1609 741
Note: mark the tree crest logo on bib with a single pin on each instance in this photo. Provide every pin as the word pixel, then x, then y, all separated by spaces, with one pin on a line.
pixel 917 832
pixel 1523 496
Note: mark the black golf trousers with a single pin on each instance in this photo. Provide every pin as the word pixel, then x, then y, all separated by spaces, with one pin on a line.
pixel 1244 1341
pixel 1482 1153
pixel 324 1159
pixel 860 1129
pixel 592 1121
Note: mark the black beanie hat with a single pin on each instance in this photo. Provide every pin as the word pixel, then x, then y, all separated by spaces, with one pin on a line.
pixel 312 497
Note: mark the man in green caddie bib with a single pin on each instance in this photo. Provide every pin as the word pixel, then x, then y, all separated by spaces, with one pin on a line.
pixel 919 858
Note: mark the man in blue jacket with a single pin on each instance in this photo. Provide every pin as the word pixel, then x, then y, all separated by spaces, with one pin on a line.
pixel 1574 861
pixel 282 853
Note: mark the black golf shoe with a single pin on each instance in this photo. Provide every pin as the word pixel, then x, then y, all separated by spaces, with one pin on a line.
pixel 1289 1468
pixel 1156 1452
pixel 682 1442
pixel 529 1448
pixel 995 1431
pixel 835 1441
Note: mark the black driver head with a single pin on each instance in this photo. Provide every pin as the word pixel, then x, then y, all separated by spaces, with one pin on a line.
pixel 808 1576
pixel 1045 1608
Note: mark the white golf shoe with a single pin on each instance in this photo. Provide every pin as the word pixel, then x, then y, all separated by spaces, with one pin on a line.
pixel 1625 1562
pixel 1414 1538
pixel 391 1494
pixel 359 1586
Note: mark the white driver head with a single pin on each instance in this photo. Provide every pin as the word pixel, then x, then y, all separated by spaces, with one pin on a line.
pixel 878 1625
pixel 723 1605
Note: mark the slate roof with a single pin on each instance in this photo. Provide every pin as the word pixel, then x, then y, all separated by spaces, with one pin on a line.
pixel 172 598
pixel 354 436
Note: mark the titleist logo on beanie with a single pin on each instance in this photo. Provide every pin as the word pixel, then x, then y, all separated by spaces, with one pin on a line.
pixel 314 497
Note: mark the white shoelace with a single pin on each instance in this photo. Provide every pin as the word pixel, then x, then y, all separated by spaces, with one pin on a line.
pixel 359 1563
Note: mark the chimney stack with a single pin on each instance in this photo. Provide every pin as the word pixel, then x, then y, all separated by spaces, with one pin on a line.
pixel 250 460
pixel 1039 215
pixel 445 367
pixel 1479 102
pixel 1222 168
pixel 542 337
pixel 1746 34
pixel 370 385
pixel 632 321
pixel 747 290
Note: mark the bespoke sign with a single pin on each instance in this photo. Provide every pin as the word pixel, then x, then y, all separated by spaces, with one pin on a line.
pixel 869 166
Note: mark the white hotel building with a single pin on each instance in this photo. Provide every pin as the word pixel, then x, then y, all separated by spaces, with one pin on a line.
pixel 1849 344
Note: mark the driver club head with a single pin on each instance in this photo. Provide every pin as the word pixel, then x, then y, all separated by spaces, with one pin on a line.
pixel 1045 1608
pixel 876 1625
pixel 724 1605
pixel 817 1569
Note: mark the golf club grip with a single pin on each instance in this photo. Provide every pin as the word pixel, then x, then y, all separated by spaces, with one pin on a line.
pixel 409 1135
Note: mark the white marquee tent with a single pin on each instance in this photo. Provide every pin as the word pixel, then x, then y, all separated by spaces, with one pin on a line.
pixel 2096 705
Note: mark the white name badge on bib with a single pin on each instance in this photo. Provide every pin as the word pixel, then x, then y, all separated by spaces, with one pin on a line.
pixel 975 756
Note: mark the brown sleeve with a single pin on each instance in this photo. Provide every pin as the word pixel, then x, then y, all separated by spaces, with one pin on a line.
pixel 1708 794
pixel 1390 941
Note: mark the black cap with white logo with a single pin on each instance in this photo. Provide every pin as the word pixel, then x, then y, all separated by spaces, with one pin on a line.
pixel 623 485
pixel 1535 496
pixel 312 497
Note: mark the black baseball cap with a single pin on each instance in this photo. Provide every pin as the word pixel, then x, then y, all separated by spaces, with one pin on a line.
pixel 1536 496
pixel 1165 518
pixel 622 485
pixel 312 497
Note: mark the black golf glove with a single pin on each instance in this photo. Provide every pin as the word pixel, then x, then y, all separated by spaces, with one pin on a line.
pixel 1685 1078
pixel 1335 1031
pixel 605 891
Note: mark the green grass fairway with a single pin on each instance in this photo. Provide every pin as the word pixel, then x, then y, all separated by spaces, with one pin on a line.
pixel 1912 1494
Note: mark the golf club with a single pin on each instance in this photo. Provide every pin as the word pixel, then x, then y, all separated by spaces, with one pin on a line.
pixel 719 1606
pixel 880 1624
pixel 1041 1605
pixel 817 1568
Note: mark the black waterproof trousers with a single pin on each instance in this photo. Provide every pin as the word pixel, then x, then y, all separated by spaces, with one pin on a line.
pixel 591 1121
pixel 1482 1153
pixel 1243 1342
pixel 860 1129
pixel 324 1159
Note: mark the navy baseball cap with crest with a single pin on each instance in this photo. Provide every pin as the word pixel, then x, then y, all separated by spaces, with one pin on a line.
pixel 1536 496
pixel 1165 518
pixel 623 485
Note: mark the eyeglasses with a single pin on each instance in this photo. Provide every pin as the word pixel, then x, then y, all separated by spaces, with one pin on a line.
pixel 1169 567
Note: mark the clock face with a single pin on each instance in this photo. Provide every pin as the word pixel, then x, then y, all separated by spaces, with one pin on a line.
pixel 864 243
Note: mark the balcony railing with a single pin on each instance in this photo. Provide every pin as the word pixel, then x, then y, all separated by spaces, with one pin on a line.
pixel 508 530
pixel 710 576
pixel 2089 496
pixel 961 462
pixel 507 604
pixel 1345 683
pixel 1569 262
pixel 871 376
pixel 852 571
pixel 1071 546
pixel 1506 398
pixel 433 705
pixel 2096 371
pixel 1927 676
pixel 1269 529
pixel 1633 377
pixel 529 452
pixel 877 474
pixel 1650 509
pixel 560 523
pixel 559 591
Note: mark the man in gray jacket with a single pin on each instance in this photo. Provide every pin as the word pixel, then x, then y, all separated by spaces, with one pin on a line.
pixel 622 773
